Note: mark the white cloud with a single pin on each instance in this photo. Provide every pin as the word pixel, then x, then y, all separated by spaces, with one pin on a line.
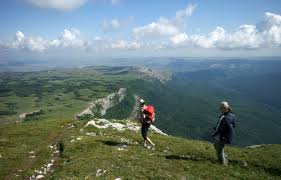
pixel 116 24
pixel 111 25
pixel 63 5
pixel 272 32
pixel 179 38
pixel 245 37
pixel 26 43
pixel 272 19
pixel 190 9
pixel 19 36
pixel 70 39
pixel 187 12
pixel 210 40
pixel 125 45
pixel 165 27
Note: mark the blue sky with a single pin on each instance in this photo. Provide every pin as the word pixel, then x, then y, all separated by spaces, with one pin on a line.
pixel 140 28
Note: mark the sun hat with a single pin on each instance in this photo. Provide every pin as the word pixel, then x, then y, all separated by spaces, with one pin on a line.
pixel 224 104
pixel 142 101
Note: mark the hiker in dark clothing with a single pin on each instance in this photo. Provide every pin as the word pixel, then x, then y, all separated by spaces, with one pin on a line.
pixel 224 129
pixel 147 118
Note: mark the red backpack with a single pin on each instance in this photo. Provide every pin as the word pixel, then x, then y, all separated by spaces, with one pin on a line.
pixel 149 112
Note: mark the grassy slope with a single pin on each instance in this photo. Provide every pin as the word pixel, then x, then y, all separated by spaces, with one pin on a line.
pixel 63 93
pixel 172 158
pixel 83 158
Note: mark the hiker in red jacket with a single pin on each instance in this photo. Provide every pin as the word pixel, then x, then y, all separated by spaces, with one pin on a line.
pixel 148 117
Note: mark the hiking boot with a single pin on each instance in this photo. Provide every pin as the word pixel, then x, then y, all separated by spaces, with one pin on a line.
pixel 226 156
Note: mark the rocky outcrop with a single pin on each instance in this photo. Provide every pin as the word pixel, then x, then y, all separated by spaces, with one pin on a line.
pixel 135 114
pixel 48 167
pixel 155 74
pixel 100 106
pixel 256 146
pixel 24 116
pixel 114 124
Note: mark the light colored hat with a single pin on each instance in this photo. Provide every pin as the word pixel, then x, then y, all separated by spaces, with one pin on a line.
pixel 142 101
pixel 224 104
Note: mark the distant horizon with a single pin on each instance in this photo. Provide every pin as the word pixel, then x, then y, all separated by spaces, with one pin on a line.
pixel 30 65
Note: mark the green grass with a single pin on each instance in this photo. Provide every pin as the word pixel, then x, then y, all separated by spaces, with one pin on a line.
pixel 63 92
pixel 173 157
pixel 18 140
pixel 167 161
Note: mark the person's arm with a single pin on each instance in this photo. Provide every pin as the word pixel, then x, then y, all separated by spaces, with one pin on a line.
pixel 233 121
pixel 143 113
pixel 217 129
pixel 216 132
pixel 153 117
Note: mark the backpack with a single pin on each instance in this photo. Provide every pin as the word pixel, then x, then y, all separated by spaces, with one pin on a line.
pixel 150 113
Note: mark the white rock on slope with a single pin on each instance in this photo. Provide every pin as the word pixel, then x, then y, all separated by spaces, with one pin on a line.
pixel 155 74
pixel 100 106
pixel 135 114
pixel 255 146
pixel 103 124
pixel 39 176
pixel 100 172
pixel 47 168
pixel 24 115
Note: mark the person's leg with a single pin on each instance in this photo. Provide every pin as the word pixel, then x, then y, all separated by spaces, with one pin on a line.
pixel 224 156
pixel 147 138
pixel 216 145
pixel 144 143
pixel 219 150
pixel 150 141
pixel 144 129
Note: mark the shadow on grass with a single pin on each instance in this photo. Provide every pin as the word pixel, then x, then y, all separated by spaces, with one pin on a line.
pixel 114 143
pixel 270 170
pixel 190 158
pixel 178 157
pixel 111 143
pixel 275 171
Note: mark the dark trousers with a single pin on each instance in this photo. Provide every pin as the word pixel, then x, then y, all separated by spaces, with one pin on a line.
pixel 144 128
pixel 222 157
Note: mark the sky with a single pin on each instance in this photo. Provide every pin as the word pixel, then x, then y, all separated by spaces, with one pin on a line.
pixel 45 29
